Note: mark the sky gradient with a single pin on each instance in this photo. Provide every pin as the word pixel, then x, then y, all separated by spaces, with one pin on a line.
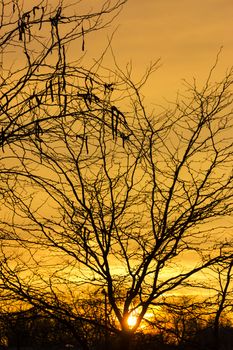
pixel 185 34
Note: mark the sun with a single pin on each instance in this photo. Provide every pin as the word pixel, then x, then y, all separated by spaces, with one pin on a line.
pixel 132 320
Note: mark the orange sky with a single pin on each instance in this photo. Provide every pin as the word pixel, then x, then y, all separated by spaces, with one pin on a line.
pixel 185 34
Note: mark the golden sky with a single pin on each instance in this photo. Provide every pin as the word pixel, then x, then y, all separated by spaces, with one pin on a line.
pixel 185 34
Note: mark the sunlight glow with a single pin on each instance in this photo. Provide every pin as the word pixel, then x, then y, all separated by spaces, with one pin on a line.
pixel 132 320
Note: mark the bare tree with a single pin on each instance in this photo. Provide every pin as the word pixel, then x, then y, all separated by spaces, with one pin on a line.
pixel 99 194
pixel 225 275
pixel 34 45
pixel 219 301
pixel 179 320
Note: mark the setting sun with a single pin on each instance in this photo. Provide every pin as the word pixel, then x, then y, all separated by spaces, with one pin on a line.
pixel 132 320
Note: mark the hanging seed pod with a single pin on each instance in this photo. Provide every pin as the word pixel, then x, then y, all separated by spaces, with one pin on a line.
pixel 83 41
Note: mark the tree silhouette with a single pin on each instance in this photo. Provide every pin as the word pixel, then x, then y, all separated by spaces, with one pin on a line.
pixel 41 37
pixel 219 301
pixel 99 194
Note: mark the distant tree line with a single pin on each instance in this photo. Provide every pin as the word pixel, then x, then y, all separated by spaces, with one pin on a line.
pixel 183 324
